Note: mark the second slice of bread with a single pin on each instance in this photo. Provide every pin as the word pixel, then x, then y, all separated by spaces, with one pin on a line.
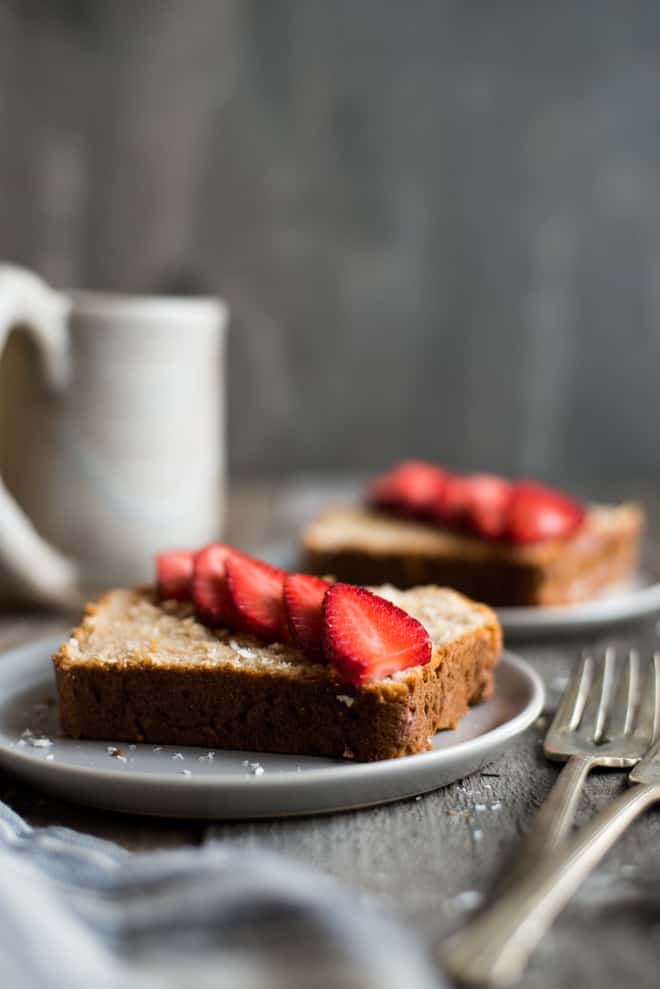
pixel 138 670
pixel 363 546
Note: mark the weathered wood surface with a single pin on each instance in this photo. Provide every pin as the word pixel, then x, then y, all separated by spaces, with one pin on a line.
pixel 430 859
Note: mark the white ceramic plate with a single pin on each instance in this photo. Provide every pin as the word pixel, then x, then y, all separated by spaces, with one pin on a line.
pixel 634 599
pixel 171 782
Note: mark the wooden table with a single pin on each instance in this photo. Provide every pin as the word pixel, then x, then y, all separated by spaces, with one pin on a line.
pixel 430 859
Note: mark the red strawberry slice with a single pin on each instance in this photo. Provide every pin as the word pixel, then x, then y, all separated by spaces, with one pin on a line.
pixel 383 492
pixel 487 513
pixel 367 638
pixel 411 488
pixel 536 513
pixel 210 592
pixel 303 597
pixel 174 570
pixel 452 505
pixel 257 593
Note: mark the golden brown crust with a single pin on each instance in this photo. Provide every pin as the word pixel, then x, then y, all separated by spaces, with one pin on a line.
pixel 371 548
pixel 191 704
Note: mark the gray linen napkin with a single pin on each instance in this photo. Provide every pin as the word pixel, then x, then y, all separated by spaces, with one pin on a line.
pixel 77 912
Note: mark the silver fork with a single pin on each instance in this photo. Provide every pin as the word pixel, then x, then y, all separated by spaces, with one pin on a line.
pixel 598 722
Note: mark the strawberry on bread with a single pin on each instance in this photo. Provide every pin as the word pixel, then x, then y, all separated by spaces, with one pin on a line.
pixel 489 498
pixel 174 572
pixel 412 488
pixel 476 503
pixel 536 512
pixel 450 508
pixel 367 638
pixel 484 505
pixel 210 591
pixel 364 636
pixel 257 594
pixel 303 599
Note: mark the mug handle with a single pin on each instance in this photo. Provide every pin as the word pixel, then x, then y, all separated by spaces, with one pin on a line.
pixel 27 301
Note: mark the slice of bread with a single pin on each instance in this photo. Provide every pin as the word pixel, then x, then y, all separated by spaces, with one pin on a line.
pixel 363 546
pixel 137 670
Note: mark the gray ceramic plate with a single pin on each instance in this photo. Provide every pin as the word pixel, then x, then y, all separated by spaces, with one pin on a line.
pixel 634 599
pixel 626 602
pixel 189 782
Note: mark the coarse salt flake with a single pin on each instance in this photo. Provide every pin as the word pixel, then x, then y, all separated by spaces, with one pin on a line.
pixel 242 651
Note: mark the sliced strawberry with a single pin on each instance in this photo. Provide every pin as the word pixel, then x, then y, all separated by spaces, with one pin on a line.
pixel 257 593
pixel 210 592
pixel 487 513
pixel 384 493
pixel 412 488
pixel 452 506
pixel 303 597
pixel 536 513
pixel 174 570
pixel 367 638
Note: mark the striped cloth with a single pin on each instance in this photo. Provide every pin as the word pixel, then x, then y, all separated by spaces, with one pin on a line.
pixel 77 912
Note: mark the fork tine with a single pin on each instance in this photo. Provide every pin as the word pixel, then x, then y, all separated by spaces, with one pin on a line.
pixel 568 714
pixel 626 702
pixel 596 709
pixel 648 719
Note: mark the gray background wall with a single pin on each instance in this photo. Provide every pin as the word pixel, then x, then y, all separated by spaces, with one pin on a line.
pixel 437 223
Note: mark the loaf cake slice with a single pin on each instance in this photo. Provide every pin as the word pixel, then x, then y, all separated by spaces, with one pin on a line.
pixel 143 670
pixel 365 546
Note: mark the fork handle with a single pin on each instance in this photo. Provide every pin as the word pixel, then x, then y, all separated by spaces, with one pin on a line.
pixel 555 817
pixel 494 949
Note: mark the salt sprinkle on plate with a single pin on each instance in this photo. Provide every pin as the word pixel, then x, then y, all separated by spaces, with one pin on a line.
pixel 255 768
pixel 467 900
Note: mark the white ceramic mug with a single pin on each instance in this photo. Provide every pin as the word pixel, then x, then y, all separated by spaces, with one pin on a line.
pixel 113 444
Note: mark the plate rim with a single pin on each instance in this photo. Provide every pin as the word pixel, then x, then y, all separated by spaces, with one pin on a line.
pixel 625 606
pixel 350 771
